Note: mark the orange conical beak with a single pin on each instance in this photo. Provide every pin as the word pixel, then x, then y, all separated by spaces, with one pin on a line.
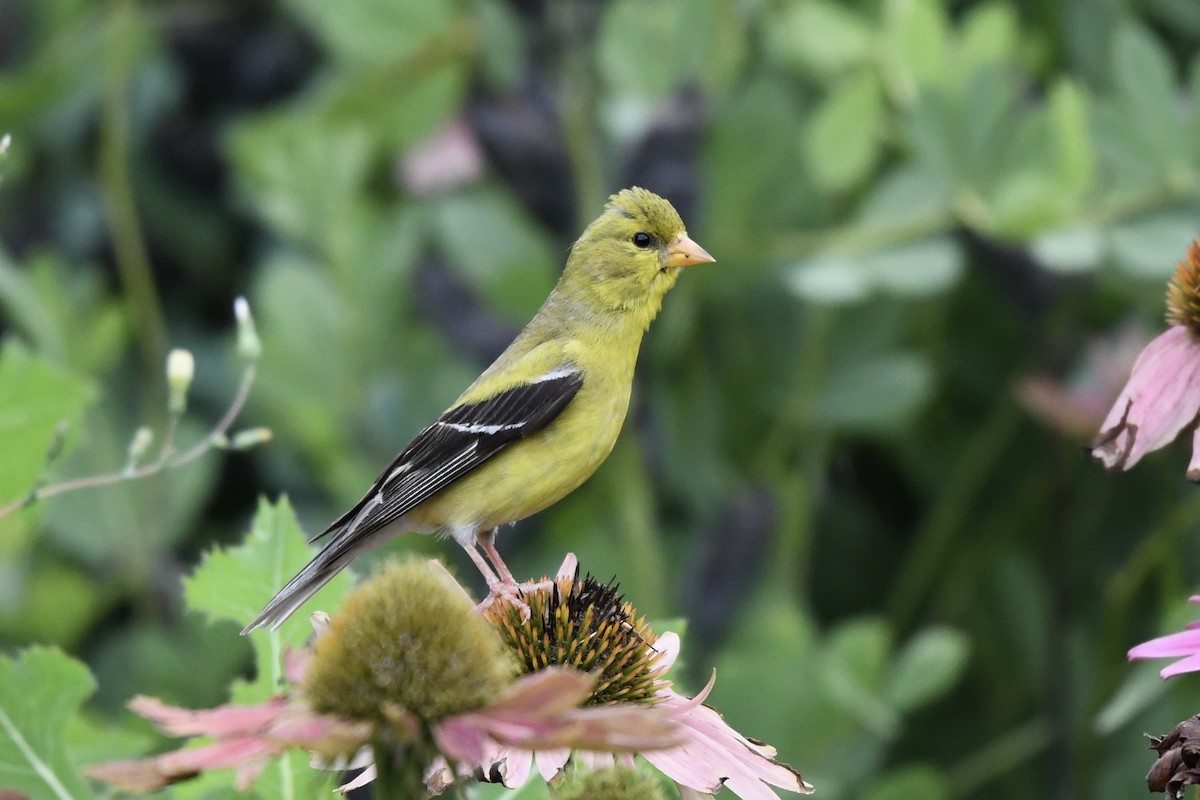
pixel 683 252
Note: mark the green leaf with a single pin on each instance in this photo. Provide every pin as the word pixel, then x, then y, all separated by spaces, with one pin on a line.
pixel 988 35
pixel 500 251
pixel 919 269
pixel 820 36
pixel 234 584
pixel 1146 82
pixel 1151 247
pixel 1142 687
pixel 928 666
pixel 844 139
pixel 876 393
pixel 40 690
pixel 35 397
pixel 301 176
pixel 855 662
pixel 374 30
pixel 917 46
pixel 634 49
pixel 909 783
pixel 49 602
pixel 1070 250
pixel 1068 109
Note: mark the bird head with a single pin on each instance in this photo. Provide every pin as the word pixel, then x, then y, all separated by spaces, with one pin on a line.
pixel 632 254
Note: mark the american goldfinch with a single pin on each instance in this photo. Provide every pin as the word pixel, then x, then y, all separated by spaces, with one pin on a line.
pixel 539 421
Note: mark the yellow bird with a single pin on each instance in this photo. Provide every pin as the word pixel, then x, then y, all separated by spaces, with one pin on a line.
pixel 539 421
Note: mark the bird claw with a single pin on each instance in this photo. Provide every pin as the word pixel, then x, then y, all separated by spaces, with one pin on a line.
pixel 508 592
pixel 512 593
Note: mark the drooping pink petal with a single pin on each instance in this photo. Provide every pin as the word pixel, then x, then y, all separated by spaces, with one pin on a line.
pixel 551 762
pixel 714 754
pixel 515 767
pixel 1173 645
pixel 1184 645
pixel 220 721
pixel 545 693
pixel 1189 664
pixel 1161 398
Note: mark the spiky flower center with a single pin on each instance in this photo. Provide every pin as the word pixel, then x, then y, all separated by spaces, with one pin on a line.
pixel 587 625
pixel 1183 293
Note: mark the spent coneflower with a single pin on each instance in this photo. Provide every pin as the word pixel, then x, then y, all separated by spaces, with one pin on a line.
pixel 1162 395
pixel 586 624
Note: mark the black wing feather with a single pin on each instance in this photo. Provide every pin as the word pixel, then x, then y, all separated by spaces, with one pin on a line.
pixel 457 442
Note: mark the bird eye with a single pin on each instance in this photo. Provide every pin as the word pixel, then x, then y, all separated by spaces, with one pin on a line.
pixel 642 239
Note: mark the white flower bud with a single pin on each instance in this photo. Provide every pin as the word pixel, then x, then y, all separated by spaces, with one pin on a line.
pixel 249 345
pixel 5 142
pixel 181 367
pixel 140 443
pixel 244 440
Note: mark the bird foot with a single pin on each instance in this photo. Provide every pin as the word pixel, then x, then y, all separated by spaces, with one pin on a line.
pixel 513 593
pixel 505 591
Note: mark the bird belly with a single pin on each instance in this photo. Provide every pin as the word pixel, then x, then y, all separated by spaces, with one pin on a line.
pixel 533 473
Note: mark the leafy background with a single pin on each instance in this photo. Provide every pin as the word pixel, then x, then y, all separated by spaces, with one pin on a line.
pixel 850 464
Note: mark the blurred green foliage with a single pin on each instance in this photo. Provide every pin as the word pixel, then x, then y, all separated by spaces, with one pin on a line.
pixel 910 584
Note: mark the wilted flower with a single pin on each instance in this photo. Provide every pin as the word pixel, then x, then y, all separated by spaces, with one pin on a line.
pixel 1184 646
pixel 407 669
pixel 586 624
pixel 1178 764
pixel 1162 396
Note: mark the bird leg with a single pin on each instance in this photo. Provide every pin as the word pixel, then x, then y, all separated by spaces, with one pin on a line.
pixel 489 575
pixel 503 585
pixel 487 543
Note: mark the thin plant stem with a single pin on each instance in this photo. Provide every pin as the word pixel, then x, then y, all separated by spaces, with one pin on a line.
pixel 215 439
pixel 128 240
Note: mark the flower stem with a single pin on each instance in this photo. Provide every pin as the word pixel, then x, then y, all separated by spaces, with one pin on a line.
pixel 129 246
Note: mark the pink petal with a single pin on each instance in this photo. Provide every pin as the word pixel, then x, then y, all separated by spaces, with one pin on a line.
pixel 1193 471
pixel 1160 399
pixel 569 568
pixel 551 762
pixel 359 780
pixel 1189 664
pixel 220 721
pixel 667 645
pixel 515 767
pixel 714 753
pixel 224 754
pixel 1184 643
pixel 688 793
pixel 461 738
pixel 595 760
pixel 546 692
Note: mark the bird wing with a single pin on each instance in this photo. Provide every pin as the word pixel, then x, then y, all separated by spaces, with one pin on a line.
pixel 457 442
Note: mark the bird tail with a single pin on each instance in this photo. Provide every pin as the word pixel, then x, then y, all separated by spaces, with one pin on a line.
pixel 299 589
